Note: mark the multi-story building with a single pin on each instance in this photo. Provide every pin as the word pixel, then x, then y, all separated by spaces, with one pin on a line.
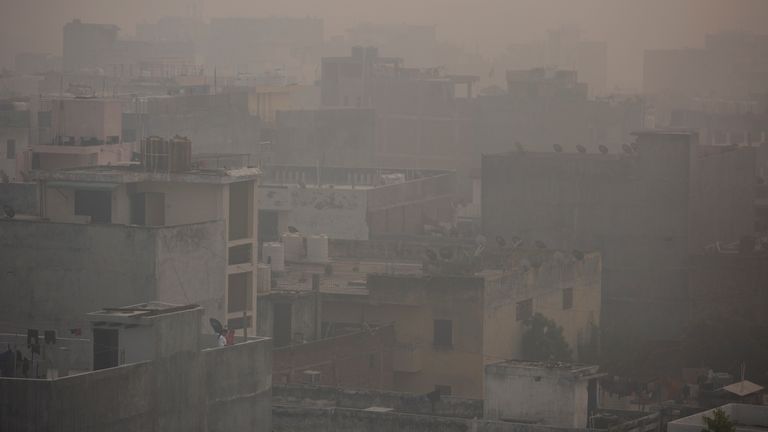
pixel 117 235
pixel 646 210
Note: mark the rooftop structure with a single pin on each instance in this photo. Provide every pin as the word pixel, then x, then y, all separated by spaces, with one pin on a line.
pixel 148 361
pixel 747 418
pixel 350 203
pixel 548 393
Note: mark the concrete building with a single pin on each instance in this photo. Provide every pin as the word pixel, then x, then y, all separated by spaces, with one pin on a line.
pixel 354 204
pixel 149 373
pixel 647 211
pixel 729 67
pixel 15 128
pixel 556 394
pixel 257 44
pixel 564 48
pixel 727 282
pixel 188 235
pixel 78 132
pixel 745 417
pixel 545 106
pixel 345 137
pixel 421 117
pixel 86 45
pixel 448 326
pixel 216 123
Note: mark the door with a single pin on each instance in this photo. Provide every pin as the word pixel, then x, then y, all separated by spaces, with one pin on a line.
pixel 281 325
pixel 105 348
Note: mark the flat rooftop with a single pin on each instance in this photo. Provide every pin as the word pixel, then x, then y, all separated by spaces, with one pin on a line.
pixel 139 311
pixel 348 277
pixel 524 367
pixel 137 174
pixel 748 418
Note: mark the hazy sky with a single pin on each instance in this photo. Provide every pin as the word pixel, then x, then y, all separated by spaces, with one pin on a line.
pixel 629 26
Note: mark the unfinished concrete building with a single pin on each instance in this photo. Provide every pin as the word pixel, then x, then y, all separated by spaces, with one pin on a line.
pixel 647 210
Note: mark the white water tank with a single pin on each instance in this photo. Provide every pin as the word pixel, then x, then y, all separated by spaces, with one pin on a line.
pixel 317 248
pixel 273 253
pixel 294 247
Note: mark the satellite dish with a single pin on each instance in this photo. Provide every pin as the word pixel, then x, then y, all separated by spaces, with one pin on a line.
pixel 516 242
pixel 540 244
pixel 603 149
pixel 581 148
pixel 558 148
pixel 292 229
pixel 216 325
pixel 501 241
pixel 579 255
pixel 627 148
pixel 519 147
pixel 9 211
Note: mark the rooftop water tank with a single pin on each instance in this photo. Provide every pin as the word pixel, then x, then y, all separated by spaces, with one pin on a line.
pixel 294 247
pixel 273 254
pixel 317 248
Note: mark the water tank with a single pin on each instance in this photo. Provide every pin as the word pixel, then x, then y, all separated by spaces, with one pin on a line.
pixel 294 247
pixel 273 253
pixel 317 248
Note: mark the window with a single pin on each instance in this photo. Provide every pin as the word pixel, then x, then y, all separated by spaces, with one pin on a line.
pixel 567 298
pixel 524 310
pixel 443 333
pixel 10 149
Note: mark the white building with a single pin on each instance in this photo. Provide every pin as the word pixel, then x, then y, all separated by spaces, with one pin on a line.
pixel 552 394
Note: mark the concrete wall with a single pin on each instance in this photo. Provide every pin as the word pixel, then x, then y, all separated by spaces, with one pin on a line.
pixel 357 360
pixel 729 285
pixel 327 397
pixel 405 208
pixel 341 137
pixel 221 389
pixel 413 303
pixel 239 381
pixel 544 286
pixel 87 118
pixel 536 395
pixel 303 326
pixel 299 419
pixel 21 196
pixel 723 195
pixel 337 213
pixel 57 272
pixel 636 210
